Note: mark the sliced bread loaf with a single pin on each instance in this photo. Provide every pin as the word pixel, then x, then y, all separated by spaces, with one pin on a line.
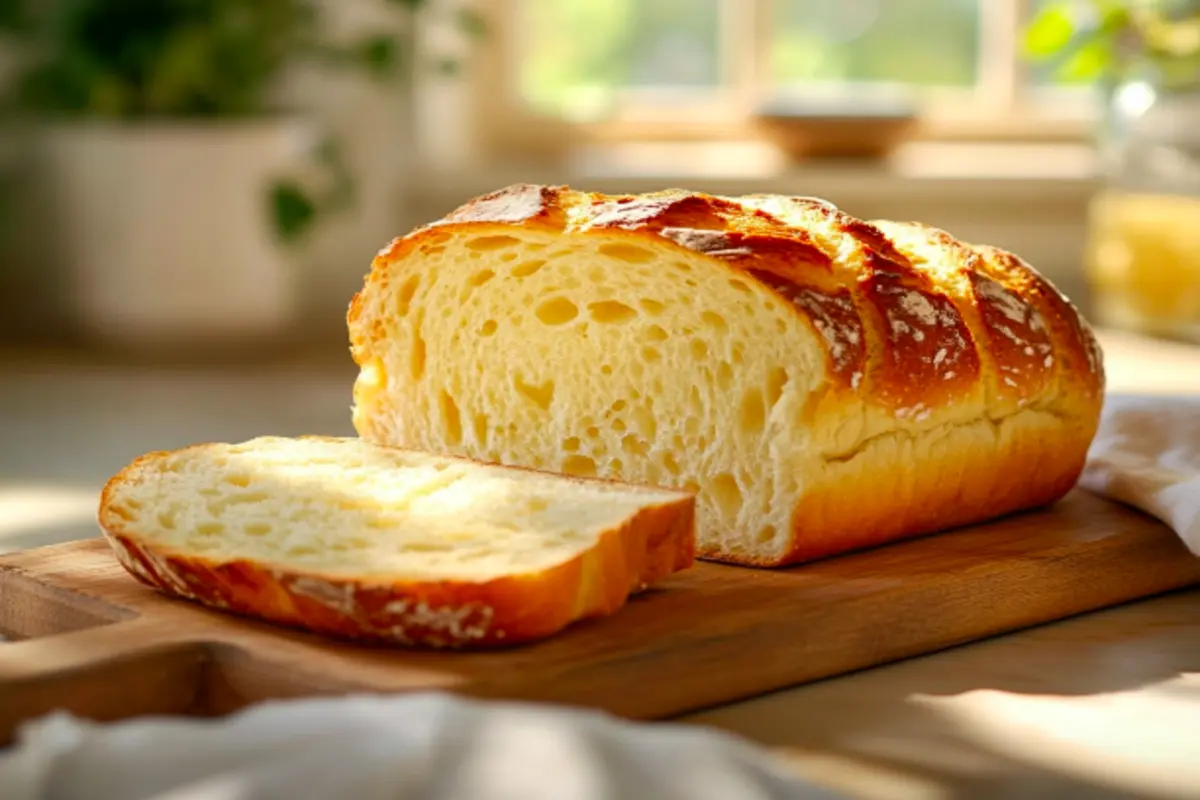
pixel 821 383
pixel 342 537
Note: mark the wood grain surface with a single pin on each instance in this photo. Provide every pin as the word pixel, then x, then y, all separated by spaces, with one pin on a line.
pixel 100 644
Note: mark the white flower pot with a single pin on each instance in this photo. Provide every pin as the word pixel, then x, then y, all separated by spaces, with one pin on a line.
pixel 166 233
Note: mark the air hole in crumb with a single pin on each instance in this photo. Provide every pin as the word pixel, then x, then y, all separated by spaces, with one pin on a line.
pixel 714 320
pixel 656 333
pixel 541 396
pixel 167 520
pixel 618 425
pixel 136 505
pixel 122 512
pixel 480 424
pixel 606 369
pixel 239 479
pixel 581 466
pixel 739 284
pixel 609 311
pixel 571 444
pixel 777 378
pixel 724 376
pixel 628 253
pixel 646 425
pixel 635 446
pixel 538 504
pixel 451 420
pixel 491 242
pixel 258 529
pixel 210 529
pixel 302 550
pixel 699 349
pixel 671 464
pixel 527 268
pixel 417 358
pixel 488 328
pixel 405 294
pixel 766 534
pixel 616 465
pixel 652 306
pixel 593 432
pixel 725 492
pixel 482 277
pixel 753 412
pixel 557 311
pixel 651 354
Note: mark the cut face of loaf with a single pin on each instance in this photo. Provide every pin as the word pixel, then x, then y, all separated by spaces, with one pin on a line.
pixel 342 537
pixel 823 383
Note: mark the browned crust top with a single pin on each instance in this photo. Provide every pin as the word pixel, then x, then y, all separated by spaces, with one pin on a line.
pixel 911 318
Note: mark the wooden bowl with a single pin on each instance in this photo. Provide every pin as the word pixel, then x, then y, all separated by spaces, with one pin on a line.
pixel 863 132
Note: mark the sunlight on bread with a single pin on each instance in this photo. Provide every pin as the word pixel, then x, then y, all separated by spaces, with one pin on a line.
pixel 311 529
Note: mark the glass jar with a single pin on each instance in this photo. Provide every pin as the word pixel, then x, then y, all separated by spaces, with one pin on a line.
pixel 1143 256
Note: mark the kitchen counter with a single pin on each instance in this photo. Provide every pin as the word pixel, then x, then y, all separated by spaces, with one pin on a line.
pixel 1103 705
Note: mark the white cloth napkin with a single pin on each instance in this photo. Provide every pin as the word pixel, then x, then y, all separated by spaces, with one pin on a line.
pixel 1147 454
pixel 425 746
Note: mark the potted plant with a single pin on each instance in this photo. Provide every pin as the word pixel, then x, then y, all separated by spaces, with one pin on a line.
pixel 183 168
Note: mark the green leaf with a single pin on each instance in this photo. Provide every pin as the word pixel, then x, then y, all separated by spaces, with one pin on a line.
pixel 293 211
pixel 1088 62
pixel 1050 31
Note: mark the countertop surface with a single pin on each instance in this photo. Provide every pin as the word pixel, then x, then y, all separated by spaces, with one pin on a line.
pixel 1102 705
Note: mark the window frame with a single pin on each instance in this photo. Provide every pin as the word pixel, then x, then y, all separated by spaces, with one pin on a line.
pixel 1001 108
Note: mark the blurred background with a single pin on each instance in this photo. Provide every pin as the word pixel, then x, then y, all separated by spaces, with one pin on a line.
pixel 192 190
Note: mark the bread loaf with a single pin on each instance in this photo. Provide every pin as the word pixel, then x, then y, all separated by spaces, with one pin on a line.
pixel 341 537
pixel 823 383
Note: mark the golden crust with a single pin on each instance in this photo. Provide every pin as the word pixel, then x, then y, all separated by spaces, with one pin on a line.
pixel 514 609
pixel 917 327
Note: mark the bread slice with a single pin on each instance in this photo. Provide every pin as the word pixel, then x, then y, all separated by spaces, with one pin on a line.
pixel 345 538
pixel 822 383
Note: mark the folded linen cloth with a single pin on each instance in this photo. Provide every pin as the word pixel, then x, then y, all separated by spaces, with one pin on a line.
pixel 431 746
pixel 1147 454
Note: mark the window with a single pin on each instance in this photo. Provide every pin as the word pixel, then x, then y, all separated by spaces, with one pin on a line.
pixel 700 68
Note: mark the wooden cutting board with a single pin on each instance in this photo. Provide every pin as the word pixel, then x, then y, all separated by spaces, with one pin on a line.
pixel 100 644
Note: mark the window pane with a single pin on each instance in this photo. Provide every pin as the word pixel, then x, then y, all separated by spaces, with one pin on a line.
pixel 918 42
pixel 579 54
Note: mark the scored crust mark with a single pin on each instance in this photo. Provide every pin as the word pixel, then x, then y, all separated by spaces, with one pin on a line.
pixel 1077 353
pixel 514 204
pixel 929 354
pixel 1017 338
